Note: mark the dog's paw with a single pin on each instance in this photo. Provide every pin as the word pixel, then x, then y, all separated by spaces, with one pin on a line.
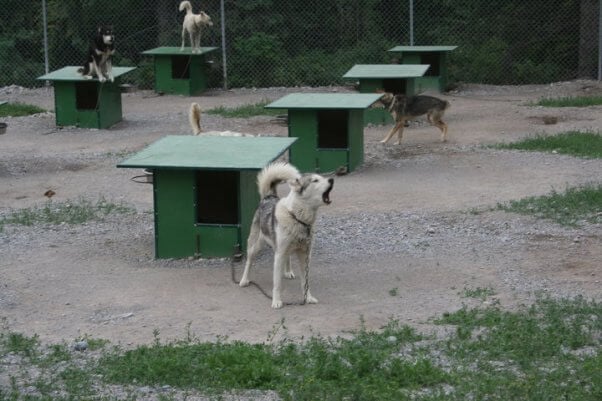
pixel 276 304
pixel 101 79
pixel 244 283
pixel 310 299
pixel 112 79
pixel 289 275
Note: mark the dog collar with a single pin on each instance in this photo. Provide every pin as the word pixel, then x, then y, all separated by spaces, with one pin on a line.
pixel 304 224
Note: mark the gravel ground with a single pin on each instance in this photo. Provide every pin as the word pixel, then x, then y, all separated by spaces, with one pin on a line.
pixel 414 218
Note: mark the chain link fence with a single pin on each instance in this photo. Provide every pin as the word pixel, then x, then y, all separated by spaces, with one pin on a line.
pixel 288 43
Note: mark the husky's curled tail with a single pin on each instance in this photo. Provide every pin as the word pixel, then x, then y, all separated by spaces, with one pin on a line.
pixel 185 5
pixel 274 174
pixel 194 118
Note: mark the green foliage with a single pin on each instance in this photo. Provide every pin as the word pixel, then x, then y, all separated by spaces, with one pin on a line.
pixel 18 343
pixel 569 208
pixel 571 101
pixel 19 109
pixel 479 292
pixel 246 111
pixel 574 143
pixel 78 212
pixel 549 350
pixel 366 366
pixel 286 43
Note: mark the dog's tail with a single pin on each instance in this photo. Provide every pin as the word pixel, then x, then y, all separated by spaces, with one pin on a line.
pixel 185 5
pixel 272 175
pixel 194 118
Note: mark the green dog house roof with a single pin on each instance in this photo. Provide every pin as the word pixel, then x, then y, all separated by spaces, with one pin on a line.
pixel 209 152
pixel 382 71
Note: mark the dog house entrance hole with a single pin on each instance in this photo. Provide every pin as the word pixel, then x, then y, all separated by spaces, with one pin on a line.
pixel 180 67
pixel 217 197
pixel 86 95
pixel 395 85
pixel 332 129
pixel 433 60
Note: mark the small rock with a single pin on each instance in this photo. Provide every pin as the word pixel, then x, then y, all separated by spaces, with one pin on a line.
pixel 81 346
pixel 392 339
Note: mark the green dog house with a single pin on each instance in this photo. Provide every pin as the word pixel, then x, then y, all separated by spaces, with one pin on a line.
pixel 395 78
pixel 330 129
pixel 436 77
pixel 205 191
pixel 180 72
pixel 84 102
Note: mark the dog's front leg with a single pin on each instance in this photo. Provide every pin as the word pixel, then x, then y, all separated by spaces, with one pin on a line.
pixel 288 271
pixel 392 132
pixel 98 72
pixel 304 257
pixel 109 67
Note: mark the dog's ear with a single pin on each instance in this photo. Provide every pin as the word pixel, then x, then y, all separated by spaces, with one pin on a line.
pixel 295 184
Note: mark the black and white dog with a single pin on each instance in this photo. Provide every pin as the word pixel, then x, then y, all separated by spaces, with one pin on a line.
pixel 101 51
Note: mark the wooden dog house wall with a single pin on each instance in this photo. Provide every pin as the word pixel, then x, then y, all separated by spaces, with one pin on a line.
pixel 205 191
pixel 83 102
pixel 436 78
pixel 395 78
pixel 180 72
pixel 329 128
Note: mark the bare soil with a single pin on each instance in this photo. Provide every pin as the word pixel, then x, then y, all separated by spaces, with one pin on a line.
pixel 406 235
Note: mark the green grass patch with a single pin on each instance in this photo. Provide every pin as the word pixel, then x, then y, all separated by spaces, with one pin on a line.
pixel 19 110
pixel 246 111
pixel 568 208
pixel 549 350
pixel 571 101
pixel 479 292
pixel 366 367
pixel 574 143
pixel 76 212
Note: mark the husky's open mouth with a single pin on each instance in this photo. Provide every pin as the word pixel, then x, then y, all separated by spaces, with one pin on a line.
pixel 326 194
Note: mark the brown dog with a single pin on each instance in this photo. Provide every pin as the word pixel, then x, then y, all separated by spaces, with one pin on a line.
pixel 404 108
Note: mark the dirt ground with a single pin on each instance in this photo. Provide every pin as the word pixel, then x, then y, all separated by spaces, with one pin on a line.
pixel 406 235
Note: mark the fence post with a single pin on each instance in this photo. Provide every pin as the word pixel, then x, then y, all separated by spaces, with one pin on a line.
pixel 412 22
pixel 224 61
pixel 45 22
pixel 600 43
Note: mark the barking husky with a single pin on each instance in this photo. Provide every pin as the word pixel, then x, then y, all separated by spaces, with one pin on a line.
pixel 193 24
pixel 286 224
pixel 99 62
pixel 404 108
